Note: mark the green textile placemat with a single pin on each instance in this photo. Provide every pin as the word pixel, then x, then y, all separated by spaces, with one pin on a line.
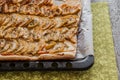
pixel 105 64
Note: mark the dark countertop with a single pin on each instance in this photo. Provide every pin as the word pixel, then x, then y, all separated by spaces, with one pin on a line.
pixel 115 21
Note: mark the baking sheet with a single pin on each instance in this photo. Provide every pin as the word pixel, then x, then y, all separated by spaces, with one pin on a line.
pixel 85 37
pixel 84 57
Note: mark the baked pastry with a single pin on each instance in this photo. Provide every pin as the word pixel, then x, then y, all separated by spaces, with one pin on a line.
pixel 38 29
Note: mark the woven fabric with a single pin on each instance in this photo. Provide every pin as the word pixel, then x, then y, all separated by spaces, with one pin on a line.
pixel 105 64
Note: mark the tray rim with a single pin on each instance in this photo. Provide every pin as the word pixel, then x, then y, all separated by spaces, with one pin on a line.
pixel 84 64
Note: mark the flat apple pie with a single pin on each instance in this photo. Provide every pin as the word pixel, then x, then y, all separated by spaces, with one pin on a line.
pixel 39 29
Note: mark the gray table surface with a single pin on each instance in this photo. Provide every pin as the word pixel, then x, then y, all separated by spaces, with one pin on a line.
pixel 115 20
pixel 114 10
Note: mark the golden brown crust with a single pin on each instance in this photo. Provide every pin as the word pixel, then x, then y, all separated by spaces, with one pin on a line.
pixel 63 55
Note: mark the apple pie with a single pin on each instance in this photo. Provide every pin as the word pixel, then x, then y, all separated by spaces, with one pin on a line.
pixel 39 29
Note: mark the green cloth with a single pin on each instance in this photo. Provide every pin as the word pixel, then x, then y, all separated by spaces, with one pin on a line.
pixel 105 64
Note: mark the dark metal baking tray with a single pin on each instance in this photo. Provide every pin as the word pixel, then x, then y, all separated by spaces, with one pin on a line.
pixel 59 65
